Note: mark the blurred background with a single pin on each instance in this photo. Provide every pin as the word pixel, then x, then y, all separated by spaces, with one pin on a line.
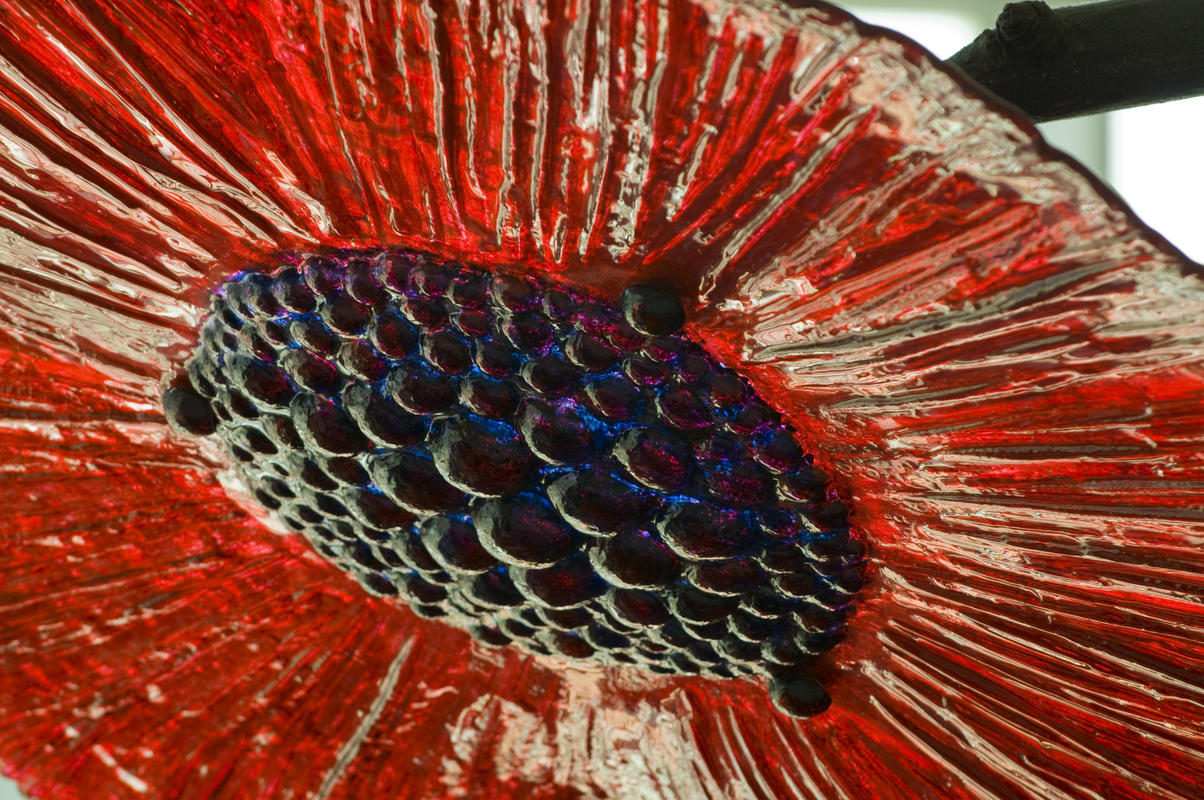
pixel 1152 156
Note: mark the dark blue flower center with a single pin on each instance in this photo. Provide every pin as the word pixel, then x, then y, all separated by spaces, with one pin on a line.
pixel 528 462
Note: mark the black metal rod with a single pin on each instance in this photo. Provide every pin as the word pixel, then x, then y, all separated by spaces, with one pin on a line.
pixel 1086 59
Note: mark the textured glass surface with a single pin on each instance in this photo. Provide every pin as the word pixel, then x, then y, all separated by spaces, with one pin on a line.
pixel 994 360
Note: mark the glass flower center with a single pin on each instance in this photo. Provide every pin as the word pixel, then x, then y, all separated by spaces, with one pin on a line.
pixel 528 462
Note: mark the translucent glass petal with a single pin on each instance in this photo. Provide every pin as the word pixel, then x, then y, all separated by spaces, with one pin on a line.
pixel 998 363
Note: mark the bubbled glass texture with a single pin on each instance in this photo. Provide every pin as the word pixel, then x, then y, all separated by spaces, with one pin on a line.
pixel 997 364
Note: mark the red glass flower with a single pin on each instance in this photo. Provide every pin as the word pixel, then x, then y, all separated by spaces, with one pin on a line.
pixel 996 363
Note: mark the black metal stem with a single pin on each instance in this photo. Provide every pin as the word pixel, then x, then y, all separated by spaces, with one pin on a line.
pixel 1090 58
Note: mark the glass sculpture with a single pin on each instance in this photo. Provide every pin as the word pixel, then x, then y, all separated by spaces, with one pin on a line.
pixel 943 365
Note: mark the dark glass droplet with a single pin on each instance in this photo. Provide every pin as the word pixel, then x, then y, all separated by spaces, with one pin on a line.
pixel 570 645
pixel 754 416
pixel 312 475
pixel 346 471
pixel 250 341
pixel 454 544
pixel 782 651
pixel 801 584
pixel 751 628
pixel 560 304
pixel 309 372
pixel 409 545
pixel 635 561
pixel 419 389
pixel 473 323
pixel 447 352
pixel 494 589
pixel 359 360
pixel 469 290
pixel 739 484
pixel 324 426
pixel 429 277
pixel 344 315
pixel 262 382
pixel 528 333
pixel 604 638
pixel 654 458
pixel 731 577
pixel 653 310
pixel 515 293
pixel 768 603
pixel 725 389
pixel 568 583
pixel 682 409
pixel 777 449
pixel 188 412
pixel 239 404
pixel 692 605
pixel 315 337
pixel 638 607
pixel 523 530
pixel 550 376
pixel 614 397
pixel 599 504
pixel 321 274
pixel 379 585
pixel 738 650
pixel 416 586
pixel 381 419
pixel 393 271
pixel 590 353
pixel 257 294
pixel 495 359
pixel 804 484
pixel 392 335
pixel 645 372
pixel 254 441
pixel 280 429
pixel 481 456
pixel 376 510
pixel 783 558
pixel 566 618
pixel 557 431
pixel 489 397
pixel 361 284
pixel 799 696
pixel 411 479
pixel 291 292
pixel 706 532
pixel 491 637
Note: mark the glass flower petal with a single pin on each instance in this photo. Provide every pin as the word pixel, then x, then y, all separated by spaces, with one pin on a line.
pixel 997 363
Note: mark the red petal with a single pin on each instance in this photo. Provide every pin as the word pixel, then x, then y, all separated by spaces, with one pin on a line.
pixel 997 361
pixel 170 645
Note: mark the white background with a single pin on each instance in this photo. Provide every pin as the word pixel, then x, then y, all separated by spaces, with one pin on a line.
pixel 1149 154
